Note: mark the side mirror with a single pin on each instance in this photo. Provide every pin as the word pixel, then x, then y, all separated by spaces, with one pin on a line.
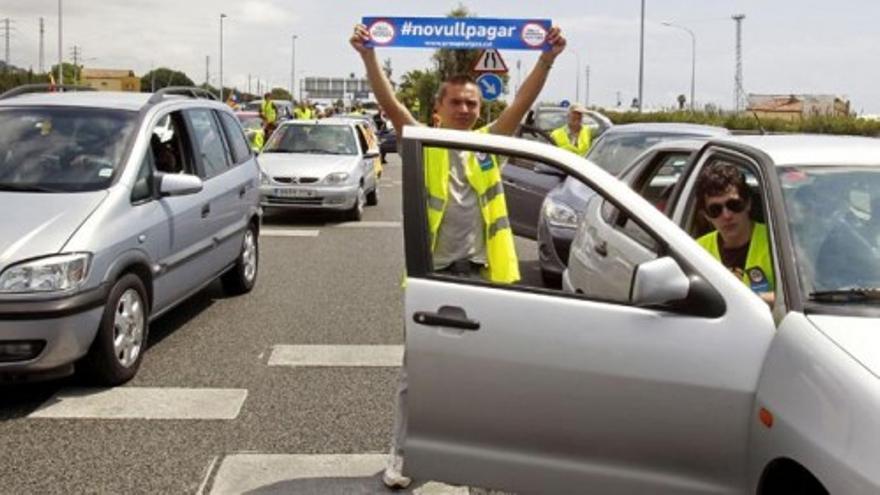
pixel 178 184
pixel 659 281
pixel 540 168
pixel 371 154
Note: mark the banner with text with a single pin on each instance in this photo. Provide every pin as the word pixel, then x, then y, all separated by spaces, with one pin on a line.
pixel 458 32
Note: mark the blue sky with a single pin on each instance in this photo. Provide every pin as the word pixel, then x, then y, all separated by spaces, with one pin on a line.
pixel 789 46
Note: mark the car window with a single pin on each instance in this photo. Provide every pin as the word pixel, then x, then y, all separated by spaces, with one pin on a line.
pixel 143 185
pixel 169 146
pixel 61 149
pixel 241 152
pixel 615 151
pixel 208 142
pixel 468 226
pixel 362 139
pixel 319 139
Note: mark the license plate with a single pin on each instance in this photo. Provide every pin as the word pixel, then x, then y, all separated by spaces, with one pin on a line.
pixel 294 193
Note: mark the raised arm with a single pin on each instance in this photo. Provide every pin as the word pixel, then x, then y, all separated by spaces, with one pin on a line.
pixel 396 112
pixel 512 115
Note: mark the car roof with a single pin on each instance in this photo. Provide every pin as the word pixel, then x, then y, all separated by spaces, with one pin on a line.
pixel 94 99
pixel 811 149
pixel 667 128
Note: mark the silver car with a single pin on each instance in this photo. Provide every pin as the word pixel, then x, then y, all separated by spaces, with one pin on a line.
pixel 328 164
pixel 691 384
pixel 118 206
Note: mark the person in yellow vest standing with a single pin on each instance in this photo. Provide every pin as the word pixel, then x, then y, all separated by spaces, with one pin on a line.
pixel 462 242
pixel 573 136
pixel 303 111
pixel 739 243
pixel 269 115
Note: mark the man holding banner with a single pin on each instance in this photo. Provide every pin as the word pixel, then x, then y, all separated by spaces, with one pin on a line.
pixel 462 243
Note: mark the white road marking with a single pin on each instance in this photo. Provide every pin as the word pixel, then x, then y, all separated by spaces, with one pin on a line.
pixel 144 403
pixel 208 472
pixel 337 355
pixel 366 225
pixel 292 473
pixel 289 233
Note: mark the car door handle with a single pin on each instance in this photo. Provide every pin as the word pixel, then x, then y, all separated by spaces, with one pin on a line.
pixel 206 210
pixel 242 191
pixel 601 248
pixel 446 316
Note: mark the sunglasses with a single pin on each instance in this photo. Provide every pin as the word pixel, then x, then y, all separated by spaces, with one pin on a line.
pixel 735 205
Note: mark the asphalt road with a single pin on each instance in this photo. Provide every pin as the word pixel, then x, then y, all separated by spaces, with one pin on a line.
pixel 340 286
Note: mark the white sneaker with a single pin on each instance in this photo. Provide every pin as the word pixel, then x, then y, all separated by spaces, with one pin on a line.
pixel 393 477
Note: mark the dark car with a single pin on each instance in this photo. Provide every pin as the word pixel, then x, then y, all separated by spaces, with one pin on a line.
pixel 613 152
pixel 387 139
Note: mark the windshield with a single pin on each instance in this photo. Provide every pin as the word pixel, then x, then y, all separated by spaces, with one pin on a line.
pixel 251 123
pixel 319 139
pixel 614 152
pixel 59 149
pixel 549 120
pixel 834 220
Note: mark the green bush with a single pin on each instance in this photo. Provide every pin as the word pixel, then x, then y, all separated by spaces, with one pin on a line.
pixel 748 122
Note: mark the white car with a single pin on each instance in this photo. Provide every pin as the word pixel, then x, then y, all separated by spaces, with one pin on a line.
pixel 690 384
pixel 327 164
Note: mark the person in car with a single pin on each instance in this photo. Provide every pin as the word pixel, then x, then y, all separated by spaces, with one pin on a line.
pixel 574 136
pixel 739 243
pixel 462 242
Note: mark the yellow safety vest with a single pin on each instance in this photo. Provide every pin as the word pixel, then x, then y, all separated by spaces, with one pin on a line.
pixel 257 140
pixel 560 137
pixel 303 113
pixel 267 110
pixel 758 273
pixel 484 176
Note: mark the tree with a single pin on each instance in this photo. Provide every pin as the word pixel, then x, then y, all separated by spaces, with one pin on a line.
pixel 416 92
pixel 281 94
pixel 386 68
pixel 163 77
pixel 69 71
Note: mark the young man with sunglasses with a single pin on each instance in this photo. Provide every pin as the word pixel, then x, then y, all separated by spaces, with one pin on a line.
pixel 740 244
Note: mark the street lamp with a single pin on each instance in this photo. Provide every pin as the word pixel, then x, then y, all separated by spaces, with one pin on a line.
pixel 693 56
pixel 60 53
pixel 293 67
pixel 222 16
pixel 642 57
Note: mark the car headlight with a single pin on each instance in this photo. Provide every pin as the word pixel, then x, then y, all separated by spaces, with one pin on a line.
pixel 61 273
pixel 264 178
pixel 336 178
pixel 560 214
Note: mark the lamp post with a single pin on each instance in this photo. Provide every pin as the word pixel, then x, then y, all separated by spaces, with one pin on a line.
pixel 693 56
pixel 60 53
pixel 577 76
pixel 642 57
pixel 293 67
pixel 222 16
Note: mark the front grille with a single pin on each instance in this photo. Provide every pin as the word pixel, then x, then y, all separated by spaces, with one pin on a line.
pixel 295 180
pixel 295 201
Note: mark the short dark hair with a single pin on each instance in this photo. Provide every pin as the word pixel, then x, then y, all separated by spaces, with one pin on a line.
pixel 457 79
pixel 717 178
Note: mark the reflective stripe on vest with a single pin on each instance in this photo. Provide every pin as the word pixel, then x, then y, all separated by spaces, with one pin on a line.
pixel 758 257
pixel 560 137
pixel 486 182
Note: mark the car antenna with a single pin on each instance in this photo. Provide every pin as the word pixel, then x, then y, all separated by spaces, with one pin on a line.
pixel 760 125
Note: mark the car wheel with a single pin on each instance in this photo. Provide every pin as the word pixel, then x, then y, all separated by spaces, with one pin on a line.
pixel 242 277
pixel 373 196
pixel 118 348
pixel 356 213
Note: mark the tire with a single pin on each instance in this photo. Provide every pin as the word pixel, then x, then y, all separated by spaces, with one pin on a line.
pixel 373 196
pixel 241 278
pixel 356 213
pixel 119 346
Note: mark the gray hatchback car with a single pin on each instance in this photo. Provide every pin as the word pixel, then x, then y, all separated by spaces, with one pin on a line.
pixel 118 206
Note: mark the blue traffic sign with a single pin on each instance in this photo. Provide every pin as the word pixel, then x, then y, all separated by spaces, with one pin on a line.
pixel 564 103
pixel 491 86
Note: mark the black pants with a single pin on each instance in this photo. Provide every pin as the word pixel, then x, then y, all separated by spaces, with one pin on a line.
pixel 463 268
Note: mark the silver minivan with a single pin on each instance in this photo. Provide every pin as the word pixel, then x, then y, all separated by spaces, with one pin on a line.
pixel 117 207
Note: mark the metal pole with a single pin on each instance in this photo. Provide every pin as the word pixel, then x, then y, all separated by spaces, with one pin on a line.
pixel 642 57
pixel 60 53
pixel 577 78
pixel 293 67
pixel 222 16
pixel 42 49
pixel 587 88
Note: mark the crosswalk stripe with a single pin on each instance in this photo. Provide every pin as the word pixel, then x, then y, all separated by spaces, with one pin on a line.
pixel 143 403
pixel 376 224
pixel 337 355
pixel 296 473
pixel 289 233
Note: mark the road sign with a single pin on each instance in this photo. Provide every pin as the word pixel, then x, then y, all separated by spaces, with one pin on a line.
pixel 564 103
pixel 489 61
pixel 491 86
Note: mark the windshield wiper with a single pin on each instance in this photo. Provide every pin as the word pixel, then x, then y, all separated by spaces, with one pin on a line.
pixel 857 294
pixel 26 188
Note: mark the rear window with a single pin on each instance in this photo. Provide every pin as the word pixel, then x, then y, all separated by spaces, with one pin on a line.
pixel 316 139
pixel 614 152
pixel 62 149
